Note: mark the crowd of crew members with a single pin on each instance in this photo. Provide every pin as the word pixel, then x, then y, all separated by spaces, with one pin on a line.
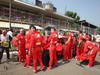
pixel 34 47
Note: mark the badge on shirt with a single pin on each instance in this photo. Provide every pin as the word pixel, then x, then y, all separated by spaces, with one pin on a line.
pixel 38 43
pixel 38 35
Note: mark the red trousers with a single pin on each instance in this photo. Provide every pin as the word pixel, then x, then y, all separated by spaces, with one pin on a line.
pixel 86 57
pixel 82 57
pixel 52 55
pixel 79 51
pixel 22 53
pixel 28 59
pixel 67 53
pixel 91 61
pixel 37 56
pixel 70 52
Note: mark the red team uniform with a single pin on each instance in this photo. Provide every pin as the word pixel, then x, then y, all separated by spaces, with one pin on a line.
pixel 86 37
pixel 21 47
pixel 79 49
pixel 89 54
pixel 36 44
pixel 27 39
pixel 52 49
pixel 27 46
pixel 59 48
pixel 67 53
pixel 15 42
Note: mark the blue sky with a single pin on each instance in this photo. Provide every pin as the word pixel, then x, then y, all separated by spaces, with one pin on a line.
pixel 87 9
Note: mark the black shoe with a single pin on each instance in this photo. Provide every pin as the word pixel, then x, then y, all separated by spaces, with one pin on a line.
pixel 56 65
pixel 65 61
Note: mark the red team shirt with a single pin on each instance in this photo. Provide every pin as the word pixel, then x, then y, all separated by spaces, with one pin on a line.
pixel 80 37
pixel 27 39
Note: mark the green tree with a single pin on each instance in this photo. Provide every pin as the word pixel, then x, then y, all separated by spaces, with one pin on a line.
pixel 72 15
pixel 69 13
pixel 77 18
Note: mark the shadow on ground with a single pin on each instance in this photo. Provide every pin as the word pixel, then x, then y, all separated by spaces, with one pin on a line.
pixel 96 63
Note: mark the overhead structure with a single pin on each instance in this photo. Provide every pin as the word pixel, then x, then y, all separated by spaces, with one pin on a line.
pixel 40 28
pixel 13 25
pixel 27 2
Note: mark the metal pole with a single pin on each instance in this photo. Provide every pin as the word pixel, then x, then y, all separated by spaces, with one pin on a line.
pixel 88 28
pixel 42 19
pixel 58 26
pixel 82 26
pixel 10 5
pixel 67 24
pixel 51 19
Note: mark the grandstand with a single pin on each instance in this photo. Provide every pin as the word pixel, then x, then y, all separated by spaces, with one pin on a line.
pixel 24 14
